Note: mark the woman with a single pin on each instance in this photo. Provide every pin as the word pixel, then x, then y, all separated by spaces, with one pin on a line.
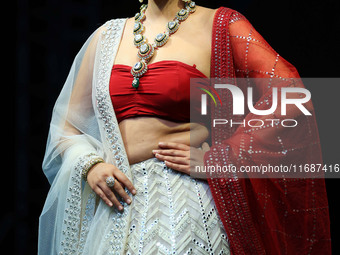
pixel 118 154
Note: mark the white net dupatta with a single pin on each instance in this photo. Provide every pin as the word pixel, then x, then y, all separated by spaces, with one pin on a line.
pixel 74 220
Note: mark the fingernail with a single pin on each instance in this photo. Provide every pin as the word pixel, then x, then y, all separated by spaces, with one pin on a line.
pixel 110 204
pixel 134 191
pixel 120 207
pixel 154 151
pixel 128 200
pixel 161 143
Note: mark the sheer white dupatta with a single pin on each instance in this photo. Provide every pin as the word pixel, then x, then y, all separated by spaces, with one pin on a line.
pixel 74 220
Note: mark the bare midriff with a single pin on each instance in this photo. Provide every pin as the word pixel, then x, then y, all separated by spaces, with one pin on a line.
pixel 141 135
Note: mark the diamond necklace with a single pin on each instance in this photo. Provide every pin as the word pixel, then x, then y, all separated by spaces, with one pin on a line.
pixel 146 49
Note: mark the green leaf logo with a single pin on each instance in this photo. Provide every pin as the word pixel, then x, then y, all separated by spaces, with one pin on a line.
pixel 211 95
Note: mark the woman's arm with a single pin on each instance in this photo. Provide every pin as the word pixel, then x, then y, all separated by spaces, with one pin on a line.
pixel 74 131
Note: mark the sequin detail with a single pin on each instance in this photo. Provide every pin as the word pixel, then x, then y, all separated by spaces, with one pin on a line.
pixel 172 213
pixel 115 236
pixel 71 222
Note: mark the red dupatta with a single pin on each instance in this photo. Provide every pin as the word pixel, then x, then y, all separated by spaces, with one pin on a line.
pixel 263 216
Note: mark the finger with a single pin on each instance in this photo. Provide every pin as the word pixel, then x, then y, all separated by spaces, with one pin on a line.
pixel 171 152
pixel 205 146
pixel 102 195
pixel 121 192
pixel 173 145
pixel 122 178
pixel 177 160
pixel 123 185
pixel 181 168
pixel 110 195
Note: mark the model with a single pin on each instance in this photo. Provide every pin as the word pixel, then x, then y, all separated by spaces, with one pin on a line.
pixel 121 145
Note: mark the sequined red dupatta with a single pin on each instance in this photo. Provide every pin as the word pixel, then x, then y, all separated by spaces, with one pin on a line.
pixel 263 216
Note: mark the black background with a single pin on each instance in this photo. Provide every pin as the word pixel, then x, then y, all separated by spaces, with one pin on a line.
pixel 46 36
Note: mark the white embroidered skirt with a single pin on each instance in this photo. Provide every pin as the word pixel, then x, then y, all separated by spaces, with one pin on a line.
pixel 172 213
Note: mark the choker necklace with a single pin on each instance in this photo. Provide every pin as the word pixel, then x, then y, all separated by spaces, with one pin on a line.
pixel 146 49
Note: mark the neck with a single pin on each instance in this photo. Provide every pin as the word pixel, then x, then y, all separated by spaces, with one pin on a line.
pixel 163 9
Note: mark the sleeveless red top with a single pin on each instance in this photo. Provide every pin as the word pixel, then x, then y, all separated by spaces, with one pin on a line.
pixel 163 92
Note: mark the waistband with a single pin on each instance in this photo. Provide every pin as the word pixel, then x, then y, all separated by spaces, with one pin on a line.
pixel 148 161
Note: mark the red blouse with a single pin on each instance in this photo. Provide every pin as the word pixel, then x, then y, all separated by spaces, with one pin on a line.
pixel 164 91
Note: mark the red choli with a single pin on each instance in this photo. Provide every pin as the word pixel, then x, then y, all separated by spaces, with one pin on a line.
pixel 164 91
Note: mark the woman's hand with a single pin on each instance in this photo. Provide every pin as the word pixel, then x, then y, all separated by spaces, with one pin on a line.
pixel 96 178
pixel 181 157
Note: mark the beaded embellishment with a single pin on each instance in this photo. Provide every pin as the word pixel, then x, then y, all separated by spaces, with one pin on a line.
pixel 146 49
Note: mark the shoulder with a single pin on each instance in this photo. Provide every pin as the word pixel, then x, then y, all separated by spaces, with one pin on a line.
pixel 231 19
pixel 229 15
pixel 222 15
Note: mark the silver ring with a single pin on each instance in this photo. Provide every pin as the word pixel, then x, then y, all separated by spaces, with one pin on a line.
pixel 110 181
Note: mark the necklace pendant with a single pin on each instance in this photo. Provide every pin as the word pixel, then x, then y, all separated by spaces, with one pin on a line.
pixel 138 28
pixel 182 14
pixel 192 7
pixel 139 40
pixel 161 39
pixel 137 71
pixel 143 7
pixel 172 26
pixel 146 51
pixel 139 16
pixel 135 82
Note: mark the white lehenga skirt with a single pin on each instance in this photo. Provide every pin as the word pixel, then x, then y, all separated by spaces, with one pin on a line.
pixel 172 213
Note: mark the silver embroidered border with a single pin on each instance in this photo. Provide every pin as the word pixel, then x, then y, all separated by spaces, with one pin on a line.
pixel 86 221
pixel 71 222
pixel 108 46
